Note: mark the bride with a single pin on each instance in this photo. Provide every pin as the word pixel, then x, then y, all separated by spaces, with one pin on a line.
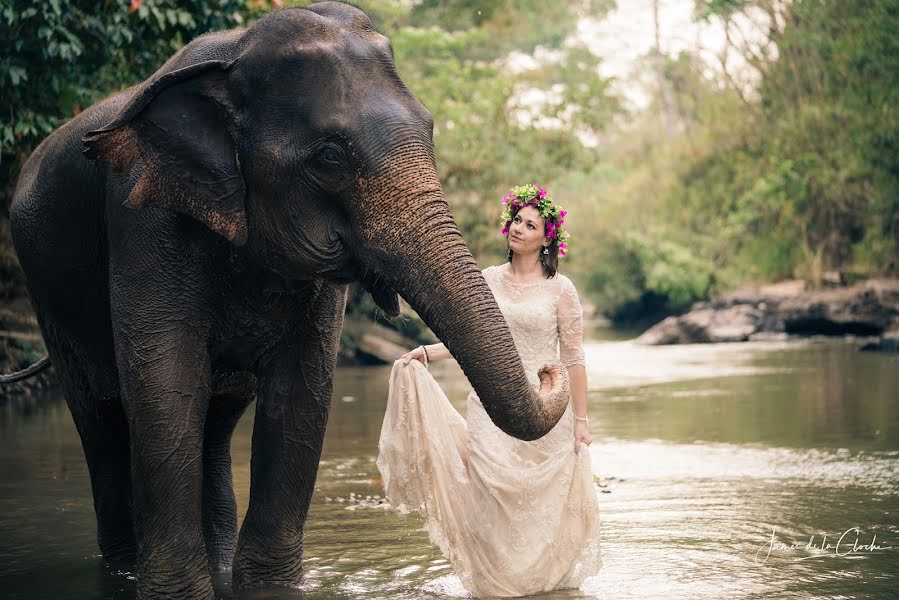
pixel 514 518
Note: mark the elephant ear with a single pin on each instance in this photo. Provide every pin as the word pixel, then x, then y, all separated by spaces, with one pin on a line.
pixel 173 135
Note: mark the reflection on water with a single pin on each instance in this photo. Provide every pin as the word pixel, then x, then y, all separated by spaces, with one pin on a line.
pixel 707 455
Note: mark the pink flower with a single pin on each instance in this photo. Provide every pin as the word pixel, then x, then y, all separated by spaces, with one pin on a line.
pixel 562 213
pixel 505 199
pixel 541 193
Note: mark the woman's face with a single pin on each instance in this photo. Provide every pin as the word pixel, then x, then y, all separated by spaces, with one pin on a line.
pixel 527 233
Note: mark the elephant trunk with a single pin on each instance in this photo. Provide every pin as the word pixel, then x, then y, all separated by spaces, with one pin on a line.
pixel 428 263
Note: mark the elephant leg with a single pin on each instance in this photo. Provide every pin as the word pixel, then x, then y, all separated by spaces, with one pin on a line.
pixel 89 381
pixel 226 406
pixel 166 391
pixel 293 397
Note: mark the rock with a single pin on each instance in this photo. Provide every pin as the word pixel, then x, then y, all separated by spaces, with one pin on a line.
pixel 833 279
pixel 706 325
pixel 665 332
pixel 888 342
pixel 366 342
pixel 769 336
pixel 865 309
pixel 380 348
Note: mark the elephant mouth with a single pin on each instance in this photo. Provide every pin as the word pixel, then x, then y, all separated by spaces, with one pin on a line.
pixel 381 292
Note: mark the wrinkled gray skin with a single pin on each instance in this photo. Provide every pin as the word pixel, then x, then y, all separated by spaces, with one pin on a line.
pixel 187 245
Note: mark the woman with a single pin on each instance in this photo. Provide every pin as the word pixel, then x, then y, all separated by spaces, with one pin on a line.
pixel 513 517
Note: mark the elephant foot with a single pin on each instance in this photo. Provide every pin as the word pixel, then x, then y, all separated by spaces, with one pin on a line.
pixel 175 578
pixel 257 566
pixel 115 536
pixel 175 590
pixel 119 553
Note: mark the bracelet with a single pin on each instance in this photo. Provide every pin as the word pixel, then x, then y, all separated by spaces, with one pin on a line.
pixel 584 419
pixel 427 359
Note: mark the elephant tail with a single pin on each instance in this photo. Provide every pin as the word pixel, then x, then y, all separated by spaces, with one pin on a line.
pixel 26 372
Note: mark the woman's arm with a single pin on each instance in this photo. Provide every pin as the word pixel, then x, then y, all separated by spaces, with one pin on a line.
pixel 438 352
pixel 577 375
pixel 434 352
pixel 570 323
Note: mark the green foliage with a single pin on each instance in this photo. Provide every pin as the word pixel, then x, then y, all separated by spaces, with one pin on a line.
pixel 708 8
pixel 826 192
pixel 629 266
pixel 798 178
pixel 795 177
pixel 60 56
pixel 512 24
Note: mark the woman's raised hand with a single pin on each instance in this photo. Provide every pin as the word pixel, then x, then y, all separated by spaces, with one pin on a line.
pixel 415 354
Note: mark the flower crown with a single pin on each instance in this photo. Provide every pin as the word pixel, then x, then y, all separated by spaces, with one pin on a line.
pixel 535 196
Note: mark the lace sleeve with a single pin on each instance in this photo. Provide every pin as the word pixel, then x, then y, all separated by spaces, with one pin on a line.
pixel 490 275
pixel 570 321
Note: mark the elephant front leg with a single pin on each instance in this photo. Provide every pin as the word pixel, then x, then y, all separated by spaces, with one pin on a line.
pixel 292 403
pixel 167 396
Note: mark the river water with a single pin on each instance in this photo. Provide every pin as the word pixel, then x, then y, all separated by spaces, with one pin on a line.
pixel 727 470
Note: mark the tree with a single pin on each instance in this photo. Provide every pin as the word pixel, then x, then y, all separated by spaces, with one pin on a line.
pixel 60 56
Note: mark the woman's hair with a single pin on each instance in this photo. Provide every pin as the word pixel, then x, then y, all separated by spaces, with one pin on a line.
pixel 550 261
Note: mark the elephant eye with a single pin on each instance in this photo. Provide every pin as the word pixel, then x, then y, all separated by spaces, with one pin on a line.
pixel 329 155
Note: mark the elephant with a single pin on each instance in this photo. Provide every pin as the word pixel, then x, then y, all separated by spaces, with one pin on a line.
pixel 187 245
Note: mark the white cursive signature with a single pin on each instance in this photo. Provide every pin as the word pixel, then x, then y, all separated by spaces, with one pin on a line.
pixel 841 548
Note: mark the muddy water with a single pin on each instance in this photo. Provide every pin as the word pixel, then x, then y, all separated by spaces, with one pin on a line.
pixel 725 470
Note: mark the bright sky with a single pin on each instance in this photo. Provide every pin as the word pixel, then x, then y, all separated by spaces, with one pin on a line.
pixel 628 32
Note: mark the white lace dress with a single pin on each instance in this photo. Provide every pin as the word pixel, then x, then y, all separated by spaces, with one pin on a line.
pixel 514 518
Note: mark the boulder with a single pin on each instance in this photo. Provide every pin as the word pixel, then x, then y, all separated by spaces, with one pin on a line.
pixel 706 325
pixel 365 342
pixel 378 349
pixel 888 342
pixel 866 309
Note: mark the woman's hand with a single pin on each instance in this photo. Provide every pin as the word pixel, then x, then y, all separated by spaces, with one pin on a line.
pixel 581 434
pixel 414 354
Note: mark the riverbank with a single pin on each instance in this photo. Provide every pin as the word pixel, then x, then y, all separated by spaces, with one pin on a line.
pixel 20 346
pixel 868 310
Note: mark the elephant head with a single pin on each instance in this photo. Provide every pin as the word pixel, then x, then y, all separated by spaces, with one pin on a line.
pixel 297 139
